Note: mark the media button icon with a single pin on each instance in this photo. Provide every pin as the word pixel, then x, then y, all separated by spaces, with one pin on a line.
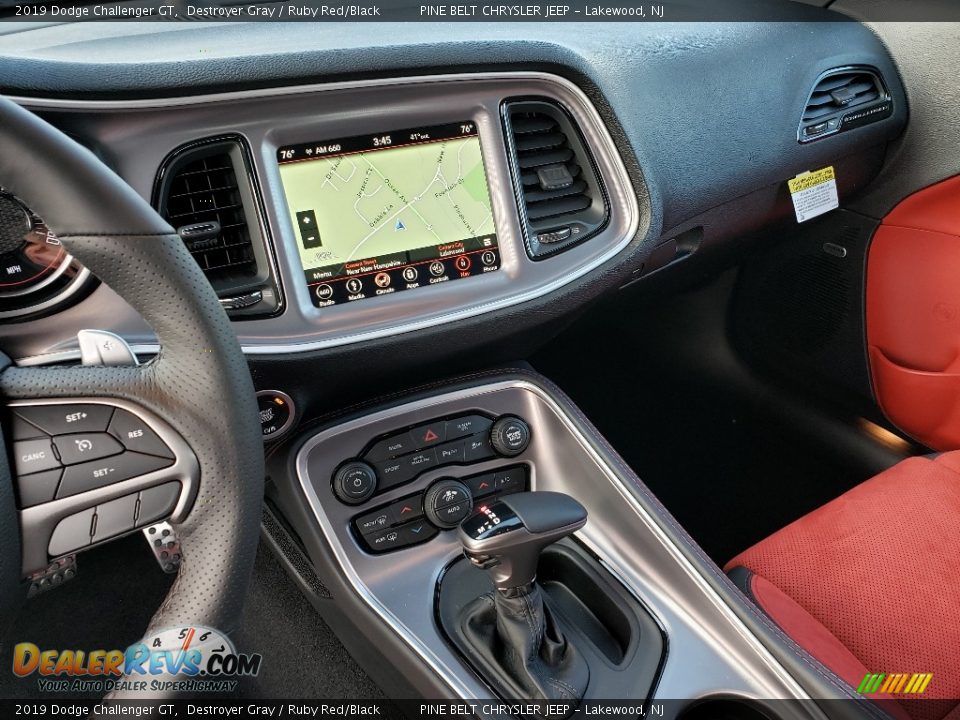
pixel 354 286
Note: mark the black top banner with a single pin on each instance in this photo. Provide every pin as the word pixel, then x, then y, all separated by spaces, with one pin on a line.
pixel 507 11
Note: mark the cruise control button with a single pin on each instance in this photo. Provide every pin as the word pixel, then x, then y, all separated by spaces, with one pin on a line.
pixel 90 475
pixel 32 456
pixel 136 435
pixel 477 448
pixel 450 453
pixel 467 425
pixel 39 487
pixel 63 419
pixel 82 447
pixel 511 480
pixel 115 517
pixel 409 508
pixel 374 521
pixel 391 447
pixel 22 430
pixel 428 435
pixel 481 485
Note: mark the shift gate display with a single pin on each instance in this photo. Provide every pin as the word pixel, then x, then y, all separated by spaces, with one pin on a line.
pixel 377 214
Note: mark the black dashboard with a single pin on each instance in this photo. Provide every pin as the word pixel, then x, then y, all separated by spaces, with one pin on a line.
pixel 662 145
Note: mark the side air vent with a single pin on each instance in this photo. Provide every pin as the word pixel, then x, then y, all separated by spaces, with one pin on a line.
pixel 844 99
pixel 207 193
pixel 559 195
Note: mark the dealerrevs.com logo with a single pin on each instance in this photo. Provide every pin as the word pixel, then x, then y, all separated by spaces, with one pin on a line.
pixel 189 659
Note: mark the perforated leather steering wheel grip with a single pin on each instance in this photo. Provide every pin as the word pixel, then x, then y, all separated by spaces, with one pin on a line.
pixel 199 383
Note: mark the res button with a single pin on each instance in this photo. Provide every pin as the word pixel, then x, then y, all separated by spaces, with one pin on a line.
pixel 136 435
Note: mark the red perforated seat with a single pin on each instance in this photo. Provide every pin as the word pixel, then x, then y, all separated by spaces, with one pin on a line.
pixel 870 582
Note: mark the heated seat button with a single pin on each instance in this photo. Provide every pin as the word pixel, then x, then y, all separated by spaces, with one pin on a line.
pixel 38 487
pixel 90 475
pixel 428 435
pixel 467 425
pixel 32 456
pixel 83 447
pixel 136 435
pixel 477 448
pixel 63 419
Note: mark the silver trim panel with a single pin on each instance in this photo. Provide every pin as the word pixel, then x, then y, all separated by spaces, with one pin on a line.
pixel 140 133
pixel 703 631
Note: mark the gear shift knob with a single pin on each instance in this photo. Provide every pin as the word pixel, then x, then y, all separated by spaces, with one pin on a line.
pixel 505 536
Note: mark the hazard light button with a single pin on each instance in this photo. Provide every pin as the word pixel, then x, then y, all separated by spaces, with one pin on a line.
pixel 424 436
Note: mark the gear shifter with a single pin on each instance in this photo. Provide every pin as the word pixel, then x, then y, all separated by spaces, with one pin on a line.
pixel 505 537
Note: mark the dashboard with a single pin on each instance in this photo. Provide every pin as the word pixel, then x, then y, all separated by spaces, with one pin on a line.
pixel 668 165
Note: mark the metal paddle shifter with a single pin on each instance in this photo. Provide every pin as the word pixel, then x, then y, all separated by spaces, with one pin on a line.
pixel 505 537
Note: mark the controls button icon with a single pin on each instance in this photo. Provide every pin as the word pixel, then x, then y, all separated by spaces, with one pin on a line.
pixel 437 268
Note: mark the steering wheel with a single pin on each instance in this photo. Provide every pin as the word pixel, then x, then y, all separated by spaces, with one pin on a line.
pixel 199 384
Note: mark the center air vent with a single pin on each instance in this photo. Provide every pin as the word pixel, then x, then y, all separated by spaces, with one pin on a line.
pixel 843 99
pixel 559 194
pixel 205 192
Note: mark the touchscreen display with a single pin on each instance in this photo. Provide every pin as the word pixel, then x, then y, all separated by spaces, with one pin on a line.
pixel 378 214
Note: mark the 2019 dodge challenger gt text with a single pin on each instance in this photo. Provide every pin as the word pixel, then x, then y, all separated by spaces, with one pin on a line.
pixel 480 360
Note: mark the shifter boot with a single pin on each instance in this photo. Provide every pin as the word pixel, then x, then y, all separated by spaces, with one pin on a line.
pixel 515 635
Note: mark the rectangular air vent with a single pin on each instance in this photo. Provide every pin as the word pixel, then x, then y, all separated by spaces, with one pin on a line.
pixel 205 192
pixel 559 194
pixel 843 99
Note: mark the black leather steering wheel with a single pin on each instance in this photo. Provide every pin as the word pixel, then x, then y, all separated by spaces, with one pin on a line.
pixel 199 383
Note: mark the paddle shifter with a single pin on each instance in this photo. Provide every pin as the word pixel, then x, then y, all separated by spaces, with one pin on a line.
pixel 505 537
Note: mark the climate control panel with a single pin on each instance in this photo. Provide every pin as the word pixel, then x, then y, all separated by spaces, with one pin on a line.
pixel 446 503
pixel 399 458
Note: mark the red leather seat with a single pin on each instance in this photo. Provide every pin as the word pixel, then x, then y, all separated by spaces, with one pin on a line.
pixel 870 582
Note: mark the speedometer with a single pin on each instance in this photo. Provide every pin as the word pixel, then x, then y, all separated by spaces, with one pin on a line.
pixel 36 271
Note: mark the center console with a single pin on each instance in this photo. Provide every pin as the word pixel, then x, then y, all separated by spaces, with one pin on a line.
pixel 378 498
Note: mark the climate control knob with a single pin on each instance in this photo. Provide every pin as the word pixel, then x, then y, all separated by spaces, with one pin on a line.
pixel 510 436
pixel 354 482
pixel 447 503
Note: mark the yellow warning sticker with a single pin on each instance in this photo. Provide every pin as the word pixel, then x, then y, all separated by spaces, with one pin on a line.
pixel 814 193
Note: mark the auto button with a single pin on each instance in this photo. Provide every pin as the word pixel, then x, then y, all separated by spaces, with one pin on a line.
pixel 83 447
